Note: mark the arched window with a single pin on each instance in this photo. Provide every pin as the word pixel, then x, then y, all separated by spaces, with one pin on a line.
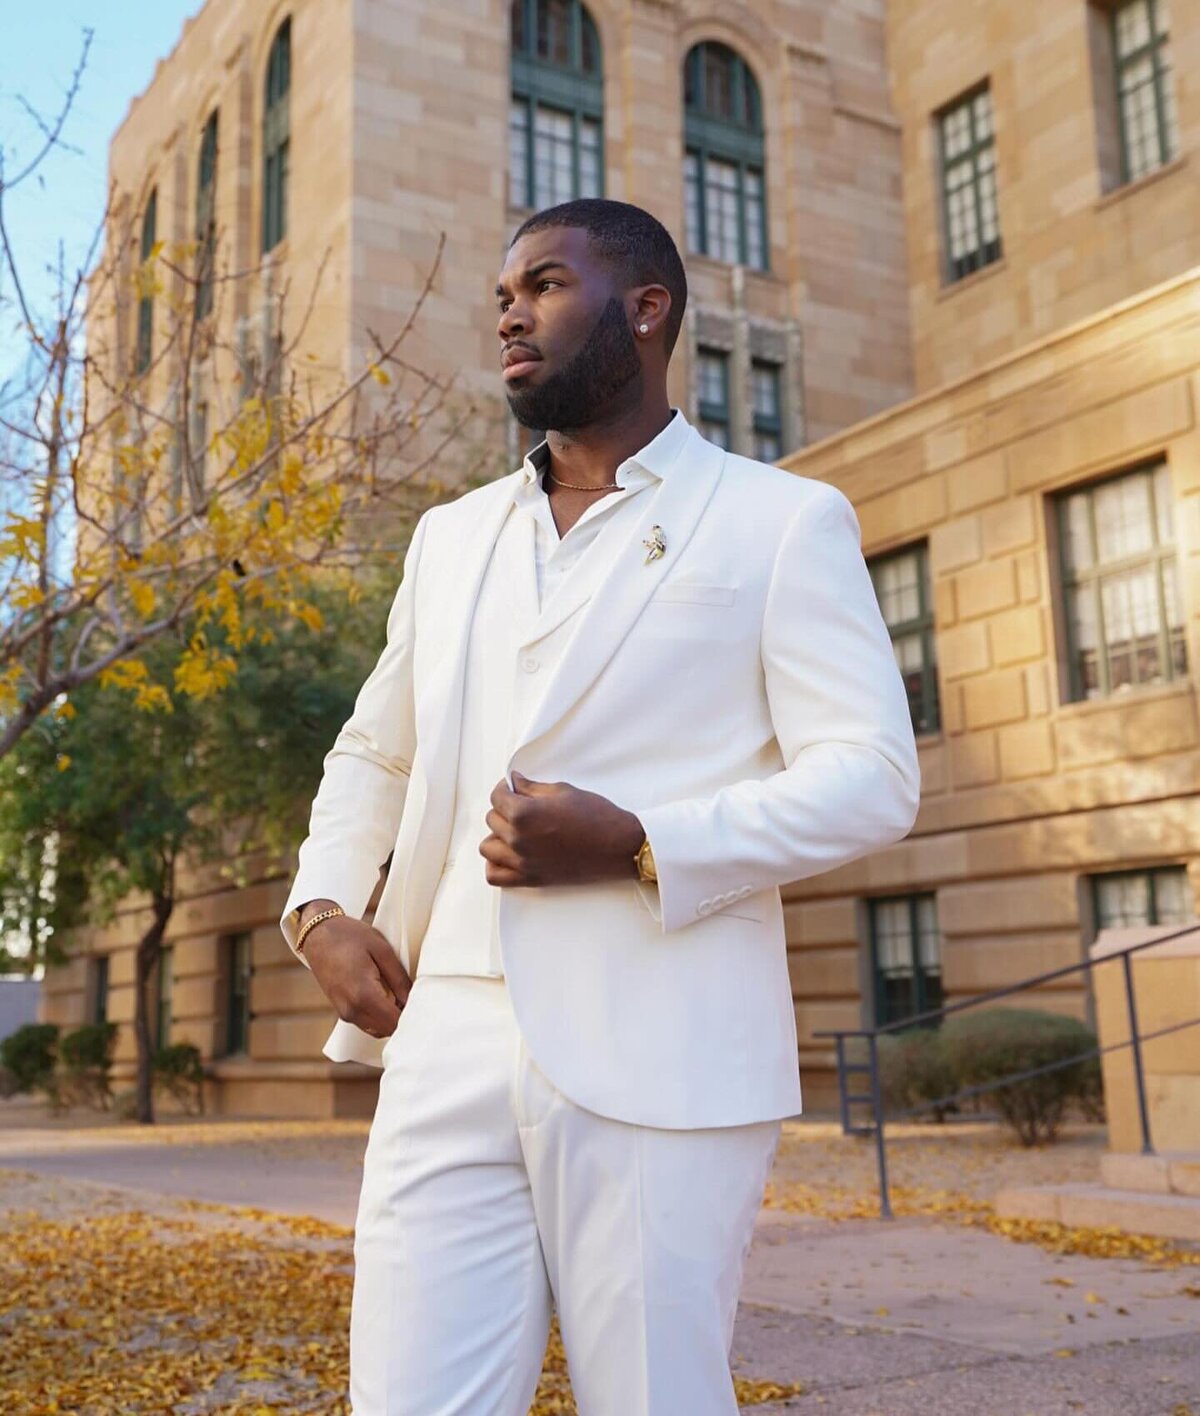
pixel 556 118
pixel 145 322
pixel 723 162
pixel 275 138
pixel 206 217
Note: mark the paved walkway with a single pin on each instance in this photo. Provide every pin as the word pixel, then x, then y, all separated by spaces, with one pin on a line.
pixel 875 1319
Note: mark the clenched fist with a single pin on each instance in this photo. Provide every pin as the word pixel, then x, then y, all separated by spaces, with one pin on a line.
pixel 357 969
pixel 551 833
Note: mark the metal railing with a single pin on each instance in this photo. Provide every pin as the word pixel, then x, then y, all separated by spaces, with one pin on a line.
pixel 873 1097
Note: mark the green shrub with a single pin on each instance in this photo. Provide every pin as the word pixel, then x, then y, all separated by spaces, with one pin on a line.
pixel 913 1071
pixel 179 1071
pixel 983 1048
pixel 30 1054
pixel 85 1061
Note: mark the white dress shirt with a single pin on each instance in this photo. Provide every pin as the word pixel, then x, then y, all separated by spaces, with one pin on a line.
pixel 535 583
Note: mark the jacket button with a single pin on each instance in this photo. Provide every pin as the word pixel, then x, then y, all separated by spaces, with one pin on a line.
pixel 531 665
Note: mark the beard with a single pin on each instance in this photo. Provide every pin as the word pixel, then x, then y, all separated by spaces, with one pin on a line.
pixel 606 365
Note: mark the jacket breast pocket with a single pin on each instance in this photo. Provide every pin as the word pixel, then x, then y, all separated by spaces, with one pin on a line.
pixel 691 592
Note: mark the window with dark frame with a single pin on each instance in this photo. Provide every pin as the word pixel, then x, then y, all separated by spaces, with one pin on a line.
pixel 724 161
pixel 276 133
pixel 98 991
pixel 145 321
pixel 1162 895
pixel 206 217
pixel 238 969
pixel 1148 123
pixel 1121 599
pixel 712 394
pixel 906 957
pixel 970 207
pixel 556 114
pixel 901 580
pixel 166 987
pixel 766 401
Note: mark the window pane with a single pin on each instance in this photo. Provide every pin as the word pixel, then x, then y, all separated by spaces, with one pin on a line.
pixel 589 157
pixel 553 157
pixel 711 377
pixel 691 200
pixel 554 31
pixel 1077 531
pixel 1174 902
pixel 721 210
pixel 1122 900
pixel 929 936
pixel 971 208
pixel 767 447
pixel 1122 512
pixel 898 586
pixel 755 235
pixel 764 389
pixel 718 80
pixel 715 432
pixel 518 153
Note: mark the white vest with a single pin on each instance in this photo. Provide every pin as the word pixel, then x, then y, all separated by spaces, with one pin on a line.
pixel 514 645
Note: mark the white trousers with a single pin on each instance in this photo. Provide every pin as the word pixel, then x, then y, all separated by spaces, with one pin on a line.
pixel 488 1197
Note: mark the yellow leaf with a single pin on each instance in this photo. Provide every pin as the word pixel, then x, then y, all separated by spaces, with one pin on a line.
pixel 63 761
pixel 143 597
pixel 381 376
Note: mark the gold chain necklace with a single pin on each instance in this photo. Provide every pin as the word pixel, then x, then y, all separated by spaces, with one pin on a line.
pixel 576 487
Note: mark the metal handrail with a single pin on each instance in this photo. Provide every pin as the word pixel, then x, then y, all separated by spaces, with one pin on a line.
pixel 877 1125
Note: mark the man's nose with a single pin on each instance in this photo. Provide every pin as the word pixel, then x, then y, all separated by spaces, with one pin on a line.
pixel 514 321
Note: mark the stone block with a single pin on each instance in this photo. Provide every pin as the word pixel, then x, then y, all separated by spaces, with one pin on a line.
pixel 964 650
pixel 1026 750
pixel 1029 577
pixel 1016 635
pixel 813 923
pixel 977 482
pixel 955 544
pixel 1148 1174
pixel 1016 904
pixel 823 973
pixel 945 610
pixel 1009 525
pixel 994 698
pixel 983 589
pixel 973 760
pixel 1037 689
pixel 289 989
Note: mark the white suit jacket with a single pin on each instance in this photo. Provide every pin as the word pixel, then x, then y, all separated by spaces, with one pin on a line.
pixel 740 694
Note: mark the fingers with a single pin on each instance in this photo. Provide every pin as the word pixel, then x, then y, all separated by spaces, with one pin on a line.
pixel 391 970
pixel 501 827
pixel 504 866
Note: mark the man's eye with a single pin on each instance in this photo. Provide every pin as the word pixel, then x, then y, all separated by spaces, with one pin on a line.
pixel 543 283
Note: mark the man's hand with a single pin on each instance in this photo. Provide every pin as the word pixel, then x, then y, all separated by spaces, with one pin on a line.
pixel 551 833
pixel 357 969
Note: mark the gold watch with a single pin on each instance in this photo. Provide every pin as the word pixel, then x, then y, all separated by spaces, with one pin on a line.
pixel 644 860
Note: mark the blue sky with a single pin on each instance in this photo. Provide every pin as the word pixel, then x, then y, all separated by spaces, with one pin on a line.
pixel 40 48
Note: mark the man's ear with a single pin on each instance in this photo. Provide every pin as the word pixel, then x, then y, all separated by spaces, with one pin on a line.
pixel 651 307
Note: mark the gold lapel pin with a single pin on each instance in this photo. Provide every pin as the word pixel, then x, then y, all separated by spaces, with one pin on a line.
pixel 655 545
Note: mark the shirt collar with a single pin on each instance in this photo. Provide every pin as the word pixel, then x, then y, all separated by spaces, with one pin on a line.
pixel 657 458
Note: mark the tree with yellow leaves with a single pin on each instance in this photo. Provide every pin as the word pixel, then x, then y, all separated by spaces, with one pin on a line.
pixel 176 450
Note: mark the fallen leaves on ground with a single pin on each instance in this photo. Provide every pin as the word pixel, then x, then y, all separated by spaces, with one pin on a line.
pixel 207 1309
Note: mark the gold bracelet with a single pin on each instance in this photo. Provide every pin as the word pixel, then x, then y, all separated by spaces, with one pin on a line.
pixel 316 919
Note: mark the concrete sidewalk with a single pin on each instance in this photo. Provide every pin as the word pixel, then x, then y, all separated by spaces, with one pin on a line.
pixel 875 1319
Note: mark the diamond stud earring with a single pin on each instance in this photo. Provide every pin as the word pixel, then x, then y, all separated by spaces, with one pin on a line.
pixel 645 329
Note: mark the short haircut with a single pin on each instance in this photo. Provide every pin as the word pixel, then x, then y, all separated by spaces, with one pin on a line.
pixel 635 245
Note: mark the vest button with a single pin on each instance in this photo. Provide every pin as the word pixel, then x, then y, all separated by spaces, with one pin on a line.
pixel 531 665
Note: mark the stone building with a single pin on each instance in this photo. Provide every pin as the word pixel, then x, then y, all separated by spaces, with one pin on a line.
pixel 941 250
pixel 1032 515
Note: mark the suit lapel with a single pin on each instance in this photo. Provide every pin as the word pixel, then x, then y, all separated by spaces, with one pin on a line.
pixel 439 706
pixel 622 591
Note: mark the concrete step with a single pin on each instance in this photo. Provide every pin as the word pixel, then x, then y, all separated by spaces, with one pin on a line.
pixel 1100 1207
pixel 1171 1173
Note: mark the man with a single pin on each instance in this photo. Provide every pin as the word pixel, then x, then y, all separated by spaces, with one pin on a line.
pixel 628 691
